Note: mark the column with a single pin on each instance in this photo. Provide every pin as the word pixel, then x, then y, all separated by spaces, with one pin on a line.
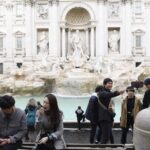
pixel 101 30
pixel 33 32
pixel 128 41
pixel 9 35
pixel 63 42
pixel 92 42
pixel 87 39
pixel 68 43
pixel 28 36
pixel 54 30
pixel 147 30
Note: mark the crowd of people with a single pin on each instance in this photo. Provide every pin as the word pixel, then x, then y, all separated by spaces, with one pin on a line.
pixel 46 120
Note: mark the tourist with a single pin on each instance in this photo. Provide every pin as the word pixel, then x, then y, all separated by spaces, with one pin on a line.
pixel 131 105
pixel 13 125
pixel 146 99
pixel 105 116
pixel 51 125
pixel 92 113
pixel 30 111
pixel 80 116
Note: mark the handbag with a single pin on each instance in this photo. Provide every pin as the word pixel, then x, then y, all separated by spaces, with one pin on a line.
pixel 49 145
pixel 112 114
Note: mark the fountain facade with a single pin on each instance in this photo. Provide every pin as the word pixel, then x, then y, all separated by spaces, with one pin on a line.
pixel 71 46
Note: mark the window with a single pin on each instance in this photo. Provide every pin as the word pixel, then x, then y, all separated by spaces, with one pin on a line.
pixel 137 64
pixel 19 10
pixel 1 11
pixel 19 64
pixel 19 42
pixel 138 41
pixel 1 68
pixel 1 43
pixel 138 7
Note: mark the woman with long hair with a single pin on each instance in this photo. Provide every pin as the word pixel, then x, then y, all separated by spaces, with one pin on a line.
pixel 51 125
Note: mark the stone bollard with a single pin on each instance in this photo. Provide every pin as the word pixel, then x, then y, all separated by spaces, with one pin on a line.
pixel 141 136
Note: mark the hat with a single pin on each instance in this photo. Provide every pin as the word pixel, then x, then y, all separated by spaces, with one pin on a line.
pixel 147 81
pixel 130 88
pixel 107 80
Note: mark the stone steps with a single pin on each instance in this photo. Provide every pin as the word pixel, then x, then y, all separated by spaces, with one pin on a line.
pixel 79 146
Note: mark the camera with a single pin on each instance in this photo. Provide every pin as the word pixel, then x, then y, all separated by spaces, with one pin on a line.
pixel 137 84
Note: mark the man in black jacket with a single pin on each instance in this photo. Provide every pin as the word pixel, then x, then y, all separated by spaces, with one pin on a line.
pixel 105 116
pixel 146 99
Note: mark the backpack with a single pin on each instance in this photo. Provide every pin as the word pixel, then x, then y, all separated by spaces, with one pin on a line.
pixel 31 117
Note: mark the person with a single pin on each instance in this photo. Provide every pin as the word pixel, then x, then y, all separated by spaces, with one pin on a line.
pixel 146 99
pixel 92 114
pixel 80 116
pixel 13 126
pixel 131 105
pixel 105 116
pixel 30 111
pixel 50 135
pixel 113 41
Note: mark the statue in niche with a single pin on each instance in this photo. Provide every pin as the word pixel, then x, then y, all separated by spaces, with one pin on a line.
pixel 78 55
pixel 43 46
pixel 113 41
pixel 42 11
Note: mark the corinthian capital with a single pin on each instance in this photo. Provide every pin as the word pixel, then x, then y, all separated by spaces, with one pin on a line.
pixel 9 4
pixel 51 2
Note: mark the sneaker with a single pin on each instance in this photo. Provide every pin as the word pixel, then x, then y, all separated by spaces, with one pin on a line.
pixel 96 142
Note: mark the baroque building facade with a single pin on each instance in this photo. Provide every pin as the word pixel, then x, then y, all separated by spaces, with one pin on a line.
pixel 41 30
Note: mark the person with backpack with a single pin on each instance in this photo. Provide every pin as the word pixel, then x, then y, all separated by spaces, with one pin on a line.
pixel 31 117
pixel 91 113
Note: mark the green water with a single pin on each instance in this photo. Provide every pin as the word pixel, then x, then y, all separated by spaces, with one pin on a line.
pixel 68 105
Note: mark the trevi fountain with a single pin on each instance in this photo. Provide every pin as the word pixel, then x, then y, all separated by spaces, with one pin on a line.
pixel 69 46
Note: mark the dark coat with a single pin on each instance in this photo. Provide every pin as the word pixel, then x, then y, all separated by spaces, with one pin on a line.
pixel 105 98
pixel 92 109
pixel 146 99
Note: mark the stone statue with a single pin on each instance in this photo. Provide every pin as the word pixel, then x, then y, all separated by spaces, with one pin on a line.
pixel 78 54
pixel 43 46
pixel 42 12
pixel 113 41
pixel 114 10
